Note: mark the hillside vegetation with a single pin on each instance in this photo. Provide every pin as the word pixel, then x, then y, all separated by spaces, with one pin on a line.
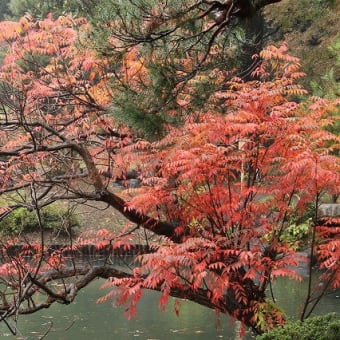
pixel 311 29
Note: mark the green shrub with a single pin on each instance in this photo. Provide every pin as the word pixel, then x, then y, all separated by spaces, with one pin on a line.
pixel 53 218
pixel 296 234
pixel 326 327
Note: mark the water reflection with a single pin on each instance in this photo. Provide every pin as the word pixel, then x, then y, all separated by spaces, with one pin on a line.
pixel 86 320
pixel 290 296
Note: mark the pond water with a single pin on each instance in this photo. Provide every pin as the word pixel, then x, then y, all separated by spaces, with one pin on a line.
pixel 85 320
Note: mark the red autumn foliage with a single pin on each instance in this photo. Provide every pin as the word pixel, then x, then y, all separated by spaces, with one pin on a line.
pixel 220 190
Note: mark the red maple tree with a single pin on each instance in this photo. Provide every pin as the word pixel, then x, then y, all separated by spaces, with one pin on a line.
pixel 220 190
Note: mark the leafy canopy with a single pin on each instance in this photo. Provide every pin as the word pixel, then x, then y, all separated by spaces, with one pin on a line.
pixel 220 189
